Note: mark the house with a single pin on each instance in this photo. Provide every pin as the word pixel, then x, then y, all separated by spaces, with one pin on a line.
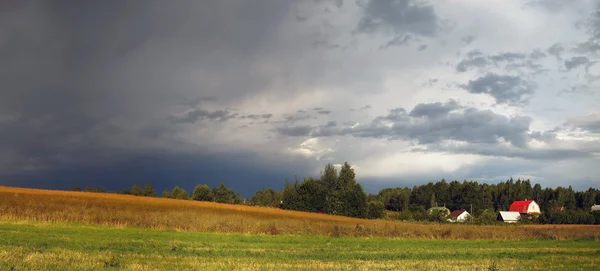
pixel 559 208
pixel 509 217
pixel 595 207
pixel 459 216
pixel 525 207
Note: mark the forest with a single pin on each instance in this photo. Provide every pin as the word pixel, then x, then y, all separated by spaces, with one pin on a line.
pixel 337 192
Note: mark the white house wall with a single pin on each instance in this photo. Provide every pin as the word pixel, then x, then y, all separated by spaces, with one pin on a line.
pixel 462 217
pixel 533 208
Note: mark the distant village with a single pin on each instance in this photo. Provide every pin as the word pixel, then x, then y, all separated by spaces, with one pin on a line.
pixel 518 211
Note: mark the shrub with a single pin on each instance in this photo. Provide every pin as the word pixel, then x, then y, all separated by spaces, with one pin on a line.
pixel 148 191
pixel 487 217
pixel 178 193
pixel 375 209
pixel 202 193
pixel 405 215
pixel 223 194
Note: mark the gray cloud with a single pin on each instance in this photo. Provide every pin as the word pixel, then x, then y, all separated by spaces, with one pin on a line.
pixel 537 54
pixel 397 17
pixel 433 110
pixel 471 125
pixel 299 116
pixel 506 89
pixel 299 130
pixel 475 62
pixel 475 59
pixel 397 41
pixel 507 56
pixel 589 123
pixel 200 114
pixel 575 62
pixel 422 47
pixel 502 151
pixel 468 39
pixel 257 116
pixel 556 50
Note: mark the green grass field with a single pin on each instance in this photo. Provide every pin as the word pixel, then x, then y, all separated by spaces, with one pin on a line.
pixel 61 246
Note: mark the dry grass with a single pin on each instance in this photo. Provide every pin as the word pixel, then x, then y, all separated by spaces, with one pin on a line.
pixel 159 213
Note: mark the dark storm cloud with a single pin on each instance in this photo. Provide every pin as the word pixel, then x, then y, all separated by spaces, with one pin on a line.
pixel 96 79
pixel 397 18
pixel 506 89
pixel 165 170
pixel 575 62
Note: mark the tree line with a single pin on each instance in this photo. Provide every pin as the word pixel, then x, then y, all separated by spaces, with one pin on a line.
pixel 202 192
pixel 338 193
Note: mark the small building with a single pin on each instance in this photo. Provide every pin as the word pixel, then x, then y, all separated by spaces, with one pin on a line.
pixel 525 207
pixel 559 208
pixel 595 207
pixel 509 217
pixel 459 216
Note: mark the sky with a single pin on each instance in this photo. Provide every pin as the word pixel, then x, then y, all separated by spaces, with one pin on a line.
pixel 251 93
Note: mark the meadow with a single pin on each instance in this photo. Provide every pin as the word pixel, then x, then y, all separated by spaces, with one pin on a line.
pixel 63 230
pixel 70 246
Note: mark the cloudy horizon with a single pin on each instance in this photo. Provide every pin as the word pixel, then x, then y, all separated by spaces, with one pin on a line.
pixel 252 93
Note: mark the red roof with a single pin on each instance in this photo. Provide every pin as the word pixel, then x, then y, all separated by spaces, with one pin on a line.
pixel 520 206
pixel 457 213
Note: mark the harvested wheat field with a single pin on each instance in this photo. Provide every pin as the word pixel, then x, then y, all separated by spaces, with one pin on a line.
pixel 158 213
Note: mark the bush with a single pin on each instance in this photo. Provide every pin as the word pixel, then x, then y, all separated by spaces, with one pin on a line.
pixel 405 215
pixel 202 193
pixel 596 215
pixel 148 191
pixel 375 209
pixel 179 193
pixel 264 197
pixel 223 194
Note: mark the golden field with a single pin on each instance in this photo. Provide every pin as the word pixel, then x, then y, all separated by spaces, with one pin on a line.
pixel 159 213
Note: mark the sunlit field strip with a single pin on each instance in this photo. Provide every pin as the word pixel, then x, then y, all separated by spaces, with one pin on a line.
pixel 159 213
